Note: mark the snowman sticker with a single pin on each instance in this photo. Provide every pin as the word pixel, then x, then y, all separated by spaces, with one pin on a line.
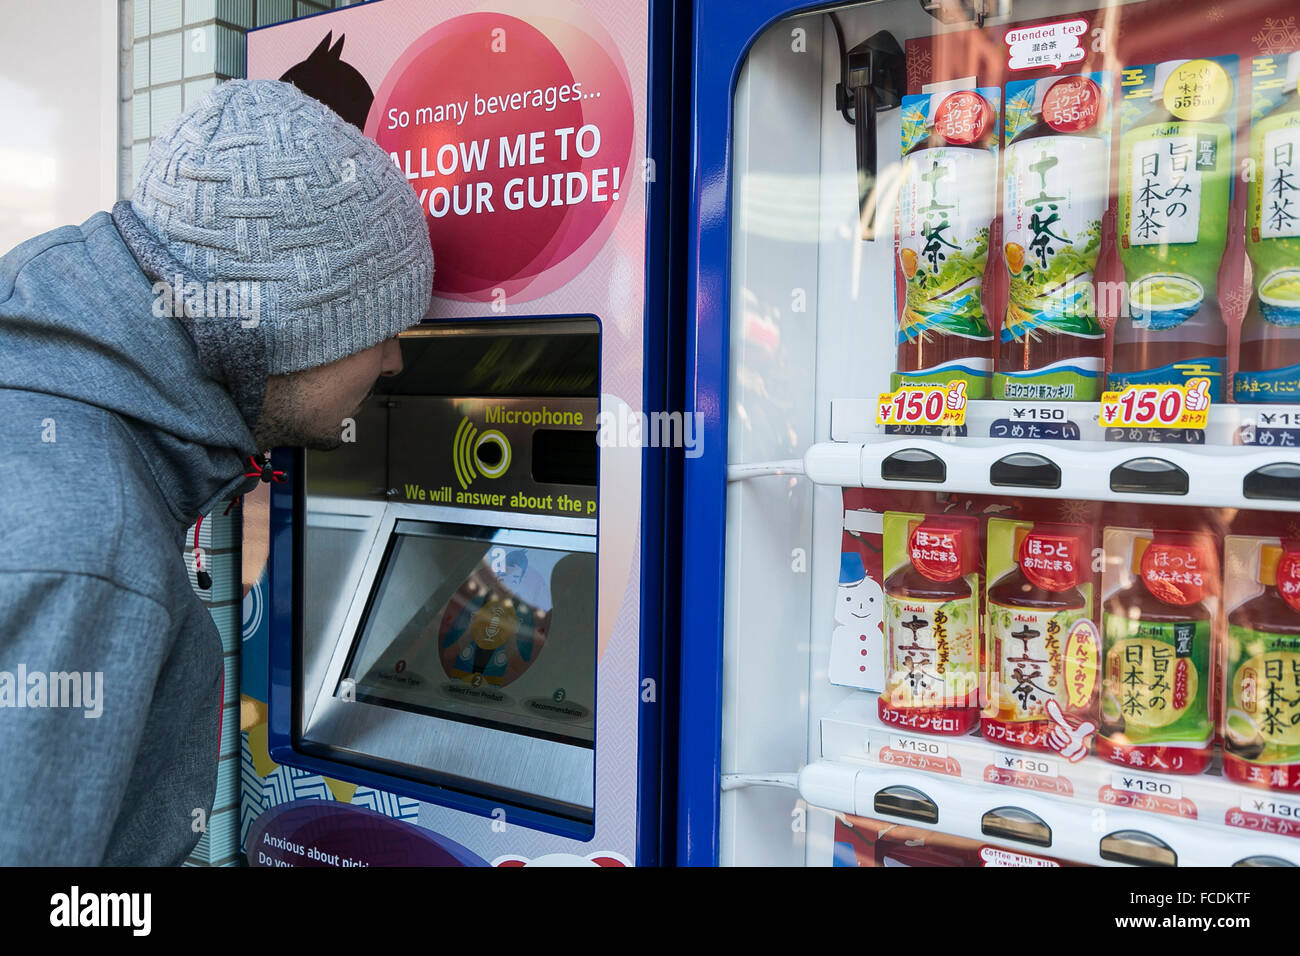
pixel 858 642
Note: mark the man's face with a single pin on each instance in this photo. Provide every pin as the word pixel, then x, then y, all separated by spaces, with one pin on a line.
pixel 308 408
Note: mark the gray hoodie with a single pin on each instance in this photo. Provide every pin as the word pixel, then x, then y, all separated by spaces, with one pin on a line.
pixel 113 440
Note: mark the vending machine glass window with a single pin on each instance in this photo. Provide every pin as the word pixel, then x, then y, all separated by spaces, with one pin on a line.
pixel 994 322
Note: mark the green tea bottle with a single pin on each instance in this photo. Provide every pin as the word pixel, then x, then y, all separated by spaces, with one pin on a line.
pixel 1155 706
pixel 1268 367
pixel 946 208
pixel 1261 736
pixel 1054 196
pixel 1175 181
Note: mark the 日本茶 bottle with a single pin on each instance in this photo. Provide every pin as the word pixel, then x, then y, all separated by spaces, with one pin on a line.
pixel 1268 366
pixel 1155 704
pixel 1175 182
pixel 946 207
pixel 1055 192
pixel 1261 733
pixel 931 624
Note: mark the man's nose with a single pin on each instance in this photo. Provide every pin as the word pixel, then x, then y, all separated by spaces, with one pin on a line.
pixel 392 358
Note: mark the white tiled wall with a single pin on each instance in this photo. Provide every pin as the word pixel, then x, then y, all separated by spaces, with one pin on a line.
pixel 185 47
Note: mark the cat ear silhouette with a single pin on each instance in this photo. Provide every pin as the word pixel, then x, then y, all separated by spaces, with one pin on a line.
pixel 340 86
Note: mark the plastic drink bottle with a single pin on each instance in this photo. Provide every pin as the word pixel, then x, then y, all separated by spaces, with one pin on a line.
pixel 946 207
pixel 1155 707
pixel 1175 185
pixel 1054 196
pixel 1261 739
pixel 1031 611
pixel 1268 367
pixel 931 632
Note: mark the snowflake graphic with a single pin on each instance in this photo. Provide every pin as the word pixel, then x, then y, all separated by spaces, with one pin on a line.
pixel 1293 529
pixel 1215 13
pixel 1278 36
pixel 1234 302
pixel 1077 512
pixel 918 69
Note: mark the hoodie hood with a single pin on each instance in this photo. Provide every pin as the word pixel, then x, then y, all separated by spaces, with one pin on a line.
pixel 79 319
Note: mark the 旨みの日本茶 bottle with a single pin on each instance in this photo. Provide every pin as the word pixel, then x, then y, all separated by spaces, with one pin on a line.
pixel 1261 734
pixel 946 207
pixel 1055 193
pixel 932 626
pixel 1155 706
pixel 1175 181
pixel 1268 366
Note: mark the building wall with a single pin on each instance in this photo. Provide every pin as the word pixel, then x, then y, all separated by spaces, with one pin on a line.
pixel 58 114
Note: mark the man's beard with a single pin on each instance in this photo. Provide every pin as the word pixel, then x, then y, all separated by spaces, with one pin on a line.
pixel 283 423
pixel 275 430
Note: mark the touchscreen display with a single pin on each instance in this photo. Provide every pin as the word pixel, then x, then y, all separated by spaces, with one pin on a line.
pixel 489 627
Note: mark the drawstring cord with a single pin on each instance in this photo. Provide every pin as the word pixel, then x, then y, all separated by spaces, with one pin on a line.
pixel 262 470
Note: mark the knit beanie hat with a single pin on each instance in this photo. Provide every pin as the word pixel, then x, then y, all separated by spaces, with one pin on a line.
pixel 285 237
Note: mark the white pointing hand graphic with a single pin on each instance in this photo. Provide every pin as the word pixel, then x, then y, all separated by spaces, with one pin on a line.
pixel 1070 741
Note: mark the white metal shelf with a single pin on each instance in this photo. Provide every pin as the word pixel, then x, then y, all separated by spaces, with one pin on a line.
pixel 862 757
pixel 1214 476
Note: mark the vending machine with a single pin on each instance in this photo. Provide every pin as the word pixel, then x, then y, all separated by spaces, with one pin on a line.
pixel 461 662
pixel 992 555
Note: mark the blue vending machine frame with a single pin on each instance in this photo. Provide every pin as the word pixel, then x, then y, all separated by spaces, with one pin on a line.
pixel 665 330
pixel 724 32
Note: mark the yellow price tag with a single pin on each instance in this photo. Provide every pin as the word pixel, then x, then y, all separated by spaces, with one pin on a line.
pixel 1157 406
pixel 923 405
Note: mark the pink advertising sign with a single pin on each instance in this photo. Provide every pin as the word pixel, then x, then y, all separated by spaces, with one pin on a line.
pixel 485 115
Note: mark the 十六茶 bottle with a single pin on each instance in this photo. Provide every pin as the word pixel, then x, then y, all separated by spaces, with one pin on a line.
pixel 1043 647
pixel 931 625
pixel 1055 192
pixel 946 206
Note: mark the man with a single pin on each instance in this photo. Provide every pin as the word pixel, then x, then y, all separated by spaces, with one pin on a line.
pixel 247 296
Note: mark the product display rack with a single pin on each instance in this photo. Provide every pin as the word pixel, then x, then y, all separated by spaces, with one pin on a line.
pixel 1091 811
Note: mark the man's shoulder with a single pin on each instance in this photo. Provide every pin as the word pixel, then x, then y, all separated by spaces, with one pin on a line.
pixel 74 498
pixel 20 256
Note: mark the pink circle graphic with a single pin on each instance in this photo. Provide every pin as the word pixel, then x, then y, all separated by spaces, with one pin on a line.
pixel 518 145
